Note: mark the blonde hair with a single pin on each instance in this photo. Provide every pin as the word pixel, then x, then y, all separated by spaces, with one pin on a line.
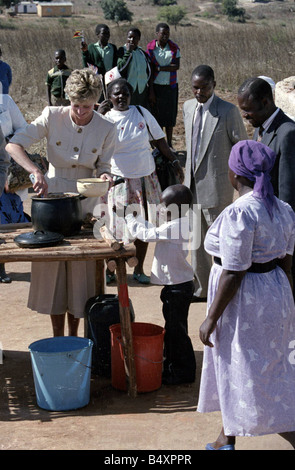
pixel 83 85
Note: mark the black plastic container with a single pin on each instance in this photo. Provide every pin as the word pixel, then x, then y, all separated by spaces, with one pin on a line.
pixel 102 312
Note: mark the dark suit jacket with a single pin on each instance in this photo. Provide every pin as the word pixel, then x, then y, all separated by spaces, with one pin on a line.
pixel 280 137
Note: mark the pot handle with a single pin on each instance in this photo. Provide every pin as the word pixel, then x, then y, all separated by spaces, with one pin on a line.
pixel 119 181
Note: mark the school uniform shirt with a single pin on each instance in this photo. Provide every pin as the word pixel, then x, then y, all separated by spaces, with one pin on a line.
pixel 133 157
pixel 164 58
pixel 170 265
pixel 107 54
pixel 104 58
pixel 56 80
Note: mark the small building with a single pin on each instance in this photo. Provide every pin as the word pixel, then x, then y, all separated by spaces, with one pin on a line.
pixel 26 7
pixel 54 9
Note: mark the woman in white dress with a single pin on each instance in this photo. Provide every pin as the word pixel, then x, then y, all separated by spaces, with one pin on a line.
pixel 80 142
pixel 247 372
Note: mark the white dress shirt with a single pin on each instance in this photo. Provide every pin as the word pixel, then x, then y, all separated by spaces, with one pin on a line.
pixel 197 132
pixel 268 122
pixel 170 265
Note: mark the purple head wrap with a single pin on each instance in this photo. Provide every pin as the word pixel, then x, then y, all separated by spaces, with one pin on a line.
pixel 254 161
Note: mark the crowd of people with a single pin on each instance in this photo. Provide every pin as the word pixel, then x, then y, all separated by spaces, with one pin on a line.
pixel 242 249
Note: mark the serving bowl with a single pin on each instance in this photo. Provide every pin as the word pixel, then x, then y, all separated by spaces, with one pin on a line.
pixel 92 187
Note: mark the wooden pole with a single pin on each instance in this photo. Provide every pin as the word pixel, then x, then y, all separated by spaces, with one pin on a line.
pixel 126 329
pixel 124 308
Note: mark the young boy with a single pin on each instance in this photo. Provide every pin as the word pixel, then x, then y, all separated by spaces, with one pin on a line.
pixel 102 54
pixel 56 80
pixel 171 269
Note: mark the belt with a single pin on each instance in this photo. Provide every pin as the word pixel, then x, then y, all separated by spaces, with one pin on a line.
pixel 255 267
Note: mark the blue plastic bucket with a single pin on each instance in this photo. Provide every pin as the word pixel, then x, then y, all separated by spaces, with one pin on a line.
pixel 62 371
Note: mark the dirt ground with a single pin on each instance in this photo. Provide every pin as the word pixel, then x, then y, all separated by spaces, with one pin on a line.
pixel 165 419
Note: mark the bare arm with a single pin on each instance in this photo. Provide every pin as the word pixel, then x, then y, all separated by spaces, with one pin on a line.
pixel 164 148
pixel 229 284
pixel 19 155
pixel 286 265
pixel 170 68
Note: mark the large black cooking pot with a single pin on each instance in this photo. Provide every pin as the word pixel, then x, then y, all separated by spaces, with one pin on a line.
pixel 57 212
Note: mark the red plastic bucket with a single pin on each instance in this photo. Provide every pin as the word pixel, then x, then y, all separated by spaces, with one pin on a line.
pixel 148 341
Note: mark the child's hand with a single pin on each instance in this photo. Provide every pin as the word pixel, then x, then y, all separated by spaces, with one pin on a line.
pixel 84 47
pixel 104 107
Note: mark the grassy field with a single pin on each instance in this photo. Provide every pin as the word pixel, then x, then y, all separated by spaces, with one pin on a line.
pixel 264 45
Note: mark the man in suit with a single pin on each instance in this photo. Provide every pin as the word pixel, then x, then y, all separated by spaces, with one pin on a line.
pixel 274 129
pixel 212 127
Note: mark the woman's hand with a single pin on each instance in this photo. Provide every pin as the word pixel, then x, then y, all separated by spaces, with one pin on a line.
pixel 40 185
pixel 179 171
pixel 206 329
pixel 229 284
pixel 164 148
pixel 107 177
pixel 17 152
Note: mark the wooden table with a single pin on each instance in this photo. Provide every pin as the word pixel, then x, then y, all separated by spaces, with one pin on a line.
pixel 80 248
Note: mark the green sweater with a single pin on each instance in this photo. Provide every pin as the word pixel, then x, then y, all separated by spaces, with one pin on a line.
pixel 93 57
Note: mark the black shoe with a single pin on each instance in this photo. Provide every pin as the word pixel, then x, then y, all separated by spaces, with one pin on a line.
pixel 196 299
pixel 5 279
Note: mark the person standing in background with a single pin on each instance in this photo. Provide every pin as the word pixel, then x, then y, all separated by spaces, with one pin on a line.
pixel 212 127
pixel 101 54
pixel 133 161
pixel 134 65
pixel 274 129
pixel 56 80
pixel 165 60
pixel 5 75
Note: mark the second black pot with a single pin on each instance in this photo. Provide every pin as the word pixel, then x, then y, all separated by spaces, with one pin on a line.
pixel 58 212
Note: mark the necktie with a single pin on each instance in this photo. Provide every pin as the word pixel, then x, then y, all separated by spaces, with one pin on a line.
pixel 260 134
pixel 197 134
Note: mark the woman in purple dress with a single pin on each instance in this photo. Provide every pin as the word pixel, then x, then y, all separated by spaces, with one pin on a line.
pixel 248 372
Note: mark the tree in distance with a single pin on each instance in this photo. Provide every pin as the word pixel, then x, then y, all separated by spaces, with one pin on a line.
pixel 116 10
